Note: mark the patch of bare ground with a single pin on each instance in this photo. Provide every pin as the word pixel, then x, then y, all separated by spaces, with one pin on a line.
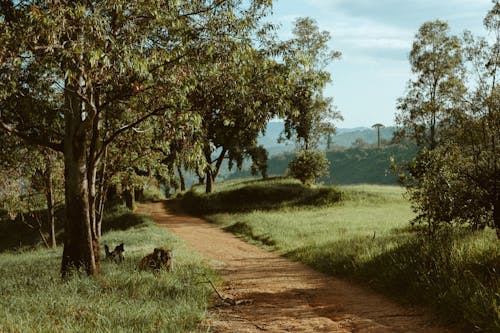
pixel 276 294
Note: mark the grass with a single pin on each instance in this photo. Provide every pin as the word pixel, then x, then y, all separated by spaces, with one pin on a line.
pixel 120 299
pixel 366 237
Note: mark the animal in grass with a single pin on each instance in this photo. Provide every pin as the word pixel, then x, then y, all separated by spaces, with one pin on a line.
pixel 160 258
pixel 117 254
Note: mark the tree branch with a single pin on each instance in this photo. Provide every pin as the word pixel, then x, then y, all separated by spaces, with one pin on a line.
pixel 131 125
pixel 40 141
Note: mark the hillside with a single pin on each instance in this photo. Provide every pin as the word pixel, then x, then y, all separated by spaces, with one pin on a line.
pixel 349 166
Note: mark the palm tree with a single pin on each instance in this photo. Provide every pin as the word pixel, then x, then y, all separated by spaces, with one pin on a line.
pixel 378 126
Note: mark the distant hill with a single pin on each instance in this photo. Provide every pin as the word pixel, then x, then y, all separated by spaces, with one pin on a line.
pixel 349 166
pixel 345 137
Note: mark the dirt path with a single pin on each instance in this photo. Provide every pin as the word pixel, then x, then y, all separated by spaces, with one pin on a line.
pixel 285 296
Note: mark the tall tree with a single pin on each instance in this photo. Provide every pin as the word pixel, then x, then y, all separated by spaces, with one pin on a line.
pixel 458 181
pixel 378 127
pixel 239 90
pixel 76 75
pixel 437 63
pixel 310 115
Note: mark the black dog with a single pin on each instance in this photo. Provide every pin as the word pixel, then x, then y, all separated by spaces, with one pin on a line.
pixel 116 255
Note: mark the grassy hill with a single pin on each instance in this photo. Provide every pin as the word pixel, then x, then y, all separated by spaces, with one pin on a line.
pixel 349 166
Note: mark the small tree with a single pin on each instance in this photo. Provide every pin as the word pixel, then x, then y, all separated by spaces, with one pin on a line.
pixel 309 165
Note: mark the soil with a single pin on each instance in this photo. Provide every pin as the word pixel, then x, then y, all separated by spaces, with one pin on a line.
pixel 276 294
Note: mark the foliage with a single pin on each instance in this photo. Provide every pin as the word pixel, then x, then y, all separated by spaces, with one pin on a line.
pixel 239 90
pixel 436 60
pixel 259 158
pixel 80 76
pixel 310 115
pixel 456 180
pixel 308 165
pixel 455 273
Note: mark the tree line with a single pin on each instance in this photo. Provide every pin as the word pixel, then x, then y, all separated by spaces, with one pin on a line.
pixel 97 96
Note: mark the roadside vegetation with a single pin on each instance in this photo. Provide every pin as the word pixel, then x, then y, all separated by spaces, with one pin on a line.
pixel 365 236
pixel 35 299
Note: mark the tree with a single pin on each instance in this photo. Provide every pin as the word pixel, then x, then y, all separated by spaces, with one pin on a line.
pixel 260 157
pixel 77 75
pixel 436 60
pixel 378 127
pixel 27 172
pixel 456 180
pixel 310 114
pixel 241 90
pixel 308 165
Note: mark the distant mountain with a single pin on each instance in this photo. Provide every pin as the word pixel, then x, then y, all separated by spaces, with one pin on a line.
pixel 345 137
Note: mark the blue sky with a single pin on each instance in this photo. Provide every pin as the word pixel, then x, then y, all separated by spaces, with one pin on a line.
pixel 375 37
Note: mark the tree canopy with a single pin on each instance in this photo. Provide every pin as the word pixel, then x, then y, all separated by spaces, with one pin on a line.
pixel 453 111
pixel 76 76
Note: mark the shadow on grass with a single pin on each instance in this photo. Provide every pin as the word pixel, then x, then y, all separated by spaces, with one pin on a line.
pixel 243 229
pixel 258 195
pixel 23 233
pixel 124 220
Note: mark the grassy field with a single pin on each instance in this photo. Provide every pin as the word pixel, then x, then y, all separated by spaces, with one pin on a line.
pixel 363 233
pixel 121 299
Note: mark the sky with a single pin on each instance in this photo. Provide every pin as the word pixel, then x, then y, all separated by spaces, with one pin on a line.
pixel 375 38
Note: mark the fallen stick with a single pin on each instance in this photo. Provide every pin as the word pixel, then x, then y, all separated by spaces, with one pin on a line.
pixel 224 299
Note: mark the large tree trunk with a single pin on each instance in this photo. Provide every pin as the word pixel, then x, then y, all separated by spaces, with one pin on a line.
pixel 78 248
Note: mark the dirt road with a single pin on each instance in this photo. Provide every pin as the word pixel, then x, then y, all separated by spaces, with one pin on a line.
pixel 282 295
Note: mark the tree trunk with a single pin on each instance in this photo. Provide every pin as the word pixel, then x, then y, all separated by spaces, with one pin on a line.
pixel 49 195
pixel 378 137
pixel 91 178
pixel 209 178
pixel 102 194
pixel 201 178
pixel 496 216
pixel 129 195
pixel 181 179
pixel 78 248
pixel 209 184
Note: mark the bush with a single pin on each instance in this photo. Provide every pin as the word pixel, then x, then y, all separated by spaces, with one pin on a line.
pixel 308 165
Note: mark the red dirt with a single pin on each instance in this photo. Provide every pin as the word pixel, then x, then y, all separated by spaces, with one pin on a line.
pixel 281 295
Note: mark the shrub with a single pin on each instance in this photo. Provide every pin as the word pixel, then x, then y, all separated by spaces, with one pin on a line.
pixel 308 165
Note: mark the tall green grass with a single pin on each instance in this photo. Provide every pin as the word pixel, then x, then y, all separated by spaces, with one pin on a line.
pixel 120 299
pixel 366 236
